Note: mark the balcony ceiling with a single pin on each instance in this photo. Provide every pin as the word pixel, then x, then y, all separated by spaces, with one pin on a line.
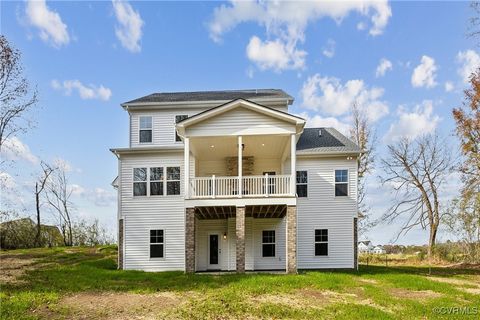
pixel 266 146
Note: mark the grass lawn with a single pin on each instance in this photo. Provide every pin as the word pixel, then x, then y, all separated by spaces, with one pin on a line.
pixel 83 283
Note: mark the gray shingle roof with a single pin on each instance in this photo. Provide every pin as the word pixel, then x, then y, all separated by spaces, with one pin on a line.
pixel 223 95
pixel 330 141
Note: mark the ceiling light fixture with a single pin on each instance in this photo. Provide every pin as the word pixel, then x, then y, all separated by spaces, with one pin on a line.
pixel 212 146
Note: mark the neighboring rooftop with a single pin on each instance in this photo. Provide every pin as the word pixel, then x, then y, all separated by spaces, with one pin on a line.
pixel 223 95
pixel 328 140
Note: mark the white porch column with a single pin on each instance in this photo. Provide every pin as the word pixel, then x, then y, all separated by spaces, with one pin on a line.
pixel 240 163
pixel 186 167
pixel 293 164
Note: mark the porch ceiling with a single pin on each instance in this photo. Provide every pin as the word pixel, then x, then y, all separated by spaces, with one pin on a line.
pixel 262 146
pixel 257 212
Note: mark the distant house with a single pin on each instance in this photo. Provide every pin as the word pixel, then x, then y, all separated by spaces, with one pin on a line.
pixel 379 250
pixel 365 246
pixel 20 233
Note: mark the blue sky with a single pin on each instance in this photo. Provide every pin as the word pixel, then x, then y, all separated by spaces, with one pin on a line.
pixel 88 57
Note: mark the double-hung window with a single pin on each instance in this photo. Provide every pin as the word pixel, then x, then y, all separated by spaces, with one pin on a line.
pixel 268 243
pixel 173 180
pixel 145 134
pixel 341 183
pixel 302 184
pixel 157 244
pixel 140 181
pixel 156 181
pixel 177 120
pixel 321 242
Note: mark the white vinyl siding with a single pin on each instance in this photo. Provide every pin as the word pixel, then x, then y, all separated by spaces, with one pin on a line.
pixel 240 121
pixel 203 230
pixel 322 210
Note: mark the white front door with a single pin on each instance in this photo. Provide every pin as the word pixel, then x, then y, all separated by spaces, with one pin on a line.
pixel 213 257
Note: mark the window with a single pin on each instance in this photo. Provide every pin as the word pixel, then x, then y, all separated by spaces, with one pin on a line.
pixel 140 181
pixel 145 129
pixel 268 243
pixel 341 183
pixel 302 180
pixel 156 244
pixel 321 242
pixel 177 120
pixel 156 181
pixel 173 180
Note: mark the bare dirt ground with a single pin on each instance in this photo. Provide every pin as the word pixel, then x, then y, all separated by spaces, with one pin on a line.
pixel 12 267
pixel 470 286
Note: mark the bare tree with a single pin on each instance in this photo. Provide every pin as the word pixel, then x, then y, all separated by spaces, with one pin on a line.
pixel 16 98
pixel 416 170
pixel 39 188
pixel 58 197
pixel 364 136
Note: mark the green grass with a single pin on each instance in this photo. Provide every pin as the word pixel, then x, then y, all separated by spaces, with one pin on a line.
pixel 374 292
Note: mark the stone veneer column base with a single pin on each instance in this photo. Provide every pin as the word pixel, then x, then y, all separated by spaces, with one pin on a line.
pixel 291 239
pixel 190 240
pixel 120 244
pixel 355 243
pixel 240 241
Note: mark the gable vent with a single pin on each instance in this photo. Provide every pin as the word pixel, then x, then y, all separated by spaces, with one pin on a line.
pixel 319 132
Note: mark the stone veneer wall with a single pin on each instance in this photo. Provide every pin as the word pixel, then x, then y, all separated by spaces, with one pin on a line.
pixel 190 240
pixel 291 239
pixel 240 241
pixel 247 166
pixel 120 244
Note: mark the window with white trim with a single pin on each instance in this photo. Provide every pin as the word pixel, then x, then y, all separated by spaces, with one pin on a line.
pixel 157 247
pixel 140 181
pixel 341 183
pixel 179 118
pixel 302 184
pixel 268 243
pixel 156 181
pixel 173 180
pixel 145 133
pixel 321 242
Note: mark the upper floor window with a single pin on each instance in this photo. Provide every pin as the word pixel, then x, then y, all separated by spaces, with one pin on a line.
pixel 321 242
pixel 156 244
pixel 145 134
pixel 140 181
pixel 156 181
pixel 268 243
pixel 177 120
pixel 341 183
pixel 302 182
pixel 173 180
pixel 153 181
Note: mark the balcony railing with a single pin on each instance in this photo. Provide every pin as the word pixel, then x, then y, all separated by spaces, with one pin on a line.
pixel 252 186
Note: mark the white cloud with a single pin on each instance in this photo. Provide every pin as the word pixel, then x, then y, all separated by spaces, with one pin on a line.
pixel 424 74
pixel 329 95
pixel 329 49
pixel 275 55
pixel 449 86
pixel 319 121
pixel 412 124
pixel 51 27
pixel 99 196
pixel 383 67
pixel 86 92
pixel 285 23
pixel 129 27
pixel 469 61
pixel 14 149
pixel 7 182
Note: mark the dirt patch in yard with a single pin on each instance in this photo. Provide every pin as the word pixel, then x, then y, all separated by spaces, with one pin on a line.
pixel 370 281
pixel 414 294
pixel 12 267
pixel 121 306
pixel 471 286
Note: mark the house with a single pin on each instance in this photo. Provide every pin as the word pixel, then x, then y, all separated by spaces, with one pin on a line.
pixel 365 246
pixel 379 250
pixel 231 181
